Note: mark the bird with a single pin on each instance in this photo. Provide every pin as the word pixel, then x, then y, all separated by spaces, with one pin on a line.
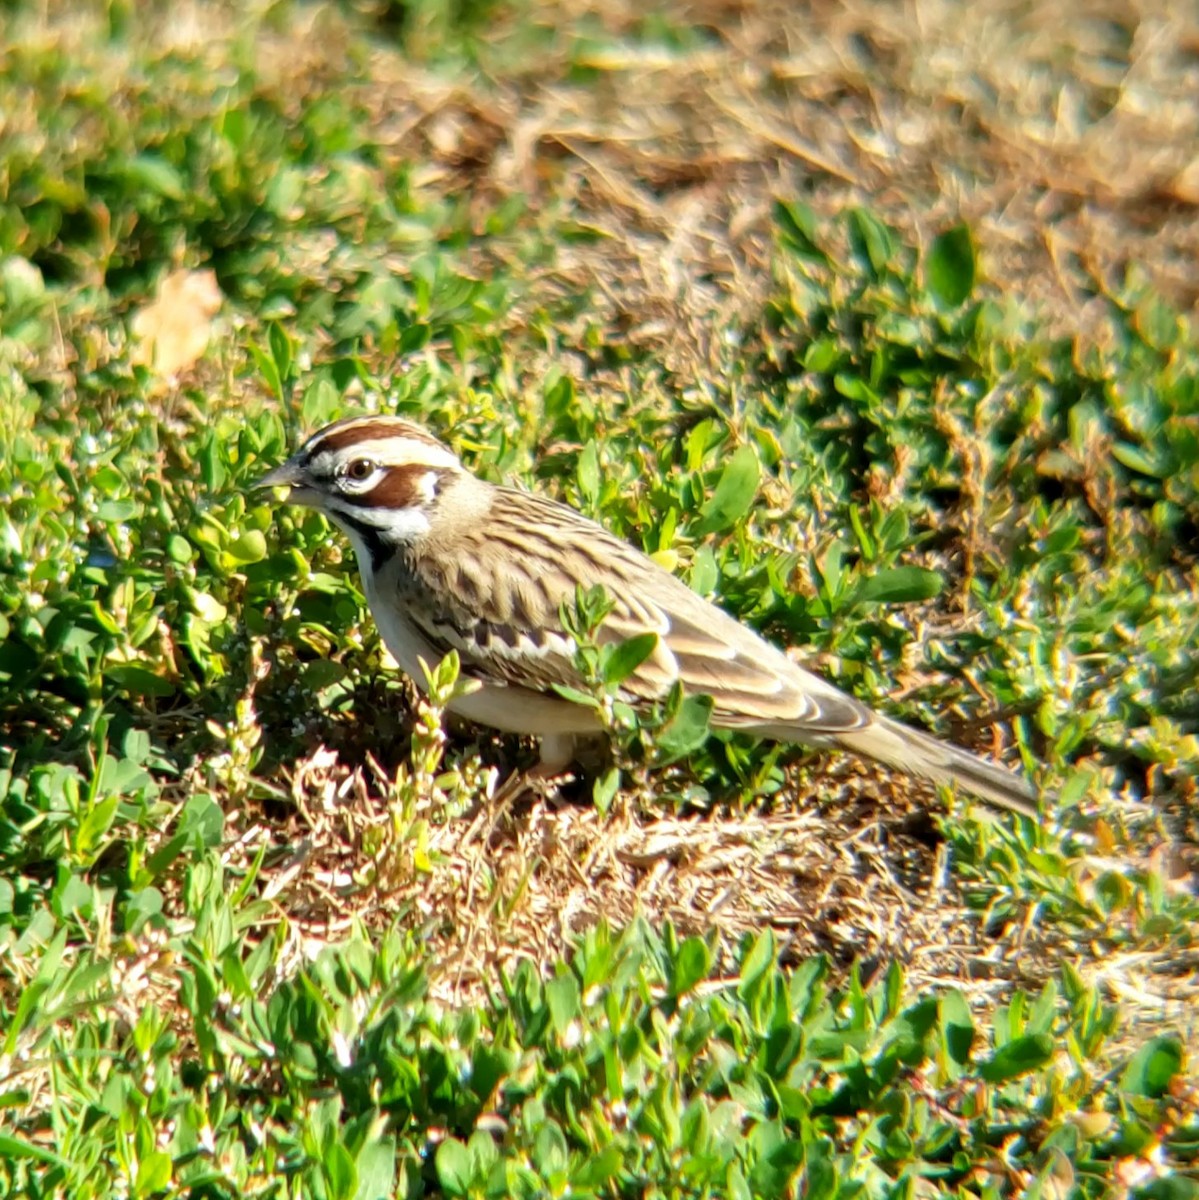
pixel 451 561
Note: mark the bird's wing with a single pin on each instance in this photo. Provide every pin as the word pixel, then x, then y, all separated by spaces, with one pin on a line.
pixel 753 684
pixel 496 598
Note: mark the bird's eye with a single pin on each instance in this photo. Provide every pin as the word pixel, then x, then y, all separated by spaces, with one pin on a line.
pixel 360 469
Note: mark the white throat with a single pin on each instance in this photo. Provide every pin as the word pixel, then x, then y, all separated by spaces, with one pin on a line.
pixel 395 528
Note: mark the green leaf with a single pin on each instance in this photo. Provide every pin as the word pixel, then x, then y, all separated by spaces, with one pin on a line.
pixel 268 370
pixel 141 907
pixel 453 1167
pixel 1168 1187
pixel 115 511
pixel 561 400
pixel 154 174
pixel 705 574
pixel 823 355
pixel 281 350
pixel 137 681
pixel 203 820
pixel 562 996
pixel 72 895
pixel 758 960
pixel 733 496
pixel 576 695
pixel 320 402
pixel 248 547
pixel 777 1156
pixel 415 337
pixel 15 1149
pixel 153 1173
pixel 442 677
pixel 854 388
pixel 588 472
pixel 1041 1015
pixel 796 224
pixel 831 571
pixel 950 266
pixel 1018 1057
pixel 1153 1067
pixel 691 966
pixel 593 1172
pixel 95 826
pixel 549 1149
pixel 1135 458
pixel 819 1170
pixel 340 1172
pixel 687 730
pixel 957 1027
pixel 22 284
pixel 214 472
pixel 179 549
pixel 898 585
pixel 482 1152
pixel 872 242
pixel 376 1169
pixel 862 534
pixel 604 790
pixel 621 660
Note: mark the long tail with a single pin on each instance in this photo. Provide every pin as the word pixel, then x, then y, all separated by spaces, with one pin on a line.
pixel 917 753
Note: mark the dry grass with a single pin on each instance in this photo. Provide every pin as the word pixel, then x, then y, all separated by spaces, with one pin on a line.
pixel 863 877
pixel 1067 138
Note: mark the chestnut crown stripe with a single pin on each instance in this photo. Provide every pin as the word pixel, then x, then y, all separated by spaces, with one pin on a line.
pixel 360 431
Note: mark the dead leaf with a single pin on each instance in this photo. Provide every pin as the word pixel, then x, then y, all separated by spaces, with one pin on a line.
pixel 175 326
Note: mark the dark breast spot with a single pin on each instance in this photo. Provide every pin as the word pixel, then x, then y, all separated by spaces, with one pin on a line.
pixel 372 538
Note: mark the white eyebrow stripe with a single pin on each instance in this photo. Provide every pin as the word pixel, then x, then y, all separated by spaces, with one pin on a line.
pixel 399 452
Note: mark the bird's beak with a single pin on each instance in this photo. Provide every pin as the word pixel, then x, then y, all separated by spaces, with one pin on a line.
pixel 286 475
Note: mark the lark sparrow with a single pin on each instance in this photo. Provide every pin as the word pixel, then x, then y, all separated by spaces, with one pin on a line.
pixel 450 561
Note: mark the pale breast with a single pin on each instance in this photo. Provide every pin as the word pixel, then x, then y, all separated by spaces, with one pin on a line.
pixel 404 641
pixel 515 709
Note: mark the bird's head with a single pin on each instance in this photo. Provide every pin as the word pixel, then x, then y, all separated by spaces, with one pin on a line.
pixel 378 478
